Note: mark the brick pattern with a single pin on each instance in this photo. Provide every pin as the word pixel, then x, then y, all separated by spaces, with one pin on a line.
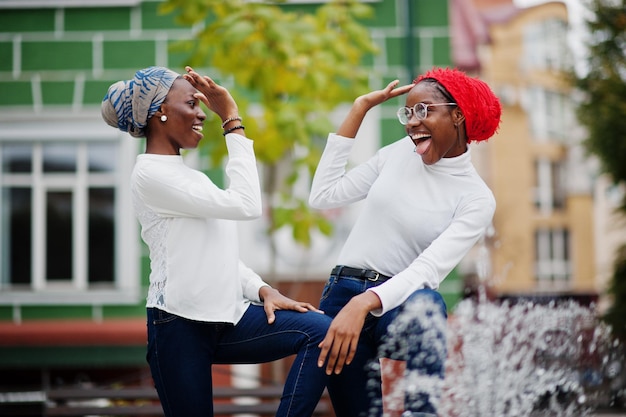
pixel 68 56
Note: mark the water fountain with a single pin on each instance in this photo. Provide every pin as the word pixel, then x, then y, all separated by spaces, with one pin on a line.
pixel 528 359
pixel 518 359
pixel 522 359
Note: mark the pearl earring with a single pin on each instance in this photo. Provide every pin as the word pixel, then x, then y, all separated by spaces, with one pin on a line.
pixel 164 118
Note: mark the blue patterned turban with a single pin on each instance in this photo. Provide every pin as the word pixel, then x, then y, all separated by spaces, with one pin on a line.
pixel 129 104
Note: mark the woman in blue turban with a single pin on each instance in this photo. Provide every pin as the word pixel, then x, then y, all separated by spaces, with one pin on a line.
pixel 204 305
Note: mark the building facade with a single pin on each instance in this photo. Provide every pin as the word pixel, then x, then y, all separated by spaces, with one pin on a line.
pixel 543 244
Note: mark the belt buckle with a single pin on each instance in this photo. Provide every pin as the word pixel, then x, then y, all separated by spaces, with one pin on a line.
pixel 374 279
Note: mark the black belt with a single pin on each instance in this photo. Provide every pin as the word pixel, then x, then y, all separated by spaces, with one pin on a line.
pixel 364 274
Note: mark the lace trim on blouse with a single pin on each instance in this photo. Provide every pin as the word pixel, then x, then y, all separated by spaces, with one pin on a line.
pixel 155 231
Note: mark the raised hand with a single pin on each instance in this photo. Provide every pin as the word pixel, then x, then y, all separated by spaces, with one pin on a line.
pixel 218 98
pixel 374 98
pixel 364 103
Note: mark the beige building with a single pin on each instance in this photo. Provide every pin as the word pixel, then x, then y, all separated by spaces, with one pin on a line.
pixel 544 239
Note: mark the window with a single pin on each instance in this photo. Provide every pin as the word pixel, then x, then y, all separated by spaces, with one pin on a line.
pixel 68 231
pixel 551 115
pixel 545 45
pixel 552 257
pixel 549 192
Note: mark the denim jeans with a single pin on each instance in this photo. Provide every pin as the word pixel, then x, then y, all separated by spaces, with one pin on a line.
pixel 181 352
pixel 413 332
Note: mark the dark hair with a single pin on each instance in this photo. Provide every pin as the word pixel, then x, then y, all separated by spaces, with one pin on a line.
pixel 440 90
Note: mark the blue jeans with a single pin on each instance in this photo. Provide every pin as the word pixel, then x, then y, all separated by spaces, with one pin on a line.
pixel 417 336
pixel 181 352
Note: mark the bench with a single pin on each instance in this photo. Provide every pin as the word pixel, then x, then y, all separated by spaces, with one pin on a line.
pixel 143 401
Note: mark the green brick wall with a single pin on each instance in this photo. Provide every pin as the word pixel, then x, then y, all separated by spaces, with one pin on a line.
pixel 85 20
pixel 15 93
pixel 57 93
pixel 151 19
pixel 429 13
pixel 6 61
pixel 50 52
pixel 129 54
pixel 56 55
pixel 96 46
pixel 27 20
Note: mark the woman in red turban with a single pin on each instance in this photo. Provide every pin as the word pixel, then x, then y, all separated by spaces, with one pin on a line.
pixel 424 208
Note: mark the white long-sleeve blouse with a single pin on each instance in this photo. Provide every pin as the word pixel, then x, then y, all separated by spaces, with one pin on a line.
pixel 189 225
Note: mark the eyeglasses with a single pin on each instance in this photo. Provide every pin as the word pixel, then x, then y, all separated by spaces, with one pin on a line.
pixel 420 110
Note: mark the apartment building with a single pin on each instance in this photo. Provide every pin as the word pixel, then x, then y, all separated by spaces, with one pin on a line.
pixel 544 239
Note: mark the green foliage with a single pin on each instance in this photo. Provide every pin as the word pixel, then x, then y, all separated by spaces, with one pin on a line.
pixel 603 113
pixel 302 221
pixel 604 109
pixel 617 312
pixel 296 66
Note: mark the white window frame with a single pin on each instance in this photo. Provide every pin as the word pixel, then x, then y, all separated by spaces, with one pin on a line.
pixel 559 113
pixel 553 266
pixel 550 187
pixel 545 45
pixel 551 115
pixel 126 287
pixel 536 109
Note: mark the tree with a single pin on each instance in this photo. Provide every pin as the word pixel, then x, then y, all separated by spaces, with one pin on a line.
pixel 603 113
pixel 295 67
pixel 616 313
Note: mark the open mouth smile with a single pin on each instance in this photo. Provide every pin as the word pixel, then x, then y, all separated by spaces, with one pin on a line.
pixel 422 142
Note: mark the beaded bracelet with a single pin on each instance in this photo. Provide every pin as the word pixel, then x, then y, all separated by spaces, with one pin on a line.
pixel 226 132
pixel 230 119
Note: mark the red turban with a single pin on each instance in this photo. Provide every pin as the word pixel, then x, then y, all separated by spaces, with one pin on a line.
pixel 480 106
